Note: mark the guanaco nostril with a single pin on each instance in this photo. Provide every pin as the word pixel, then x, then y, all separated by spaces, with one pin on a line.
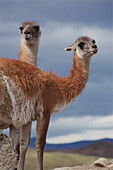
pixel 27 32
pixel 94 46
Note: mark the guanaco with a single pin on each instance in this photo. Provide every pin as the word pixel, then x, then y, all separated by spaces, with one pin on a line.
pixel 28 93
pixel 30 34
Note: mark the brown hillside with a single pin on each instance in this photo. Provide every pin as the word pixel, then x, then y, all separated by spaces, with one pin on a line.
pixel 103 149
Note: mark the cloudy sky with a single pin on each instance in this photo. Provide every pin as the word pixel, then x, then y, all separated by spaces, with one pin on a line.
pixel 62 21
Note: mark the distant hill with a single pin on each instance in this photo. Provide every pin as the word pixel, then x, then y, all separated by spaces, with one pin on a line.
pixel 102 148
pixel 69 146
pixel 32 143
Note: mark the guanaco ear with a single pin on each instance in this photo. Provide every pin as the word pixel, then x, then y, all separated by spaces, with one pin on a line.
pixel 70 48
pixel 21 28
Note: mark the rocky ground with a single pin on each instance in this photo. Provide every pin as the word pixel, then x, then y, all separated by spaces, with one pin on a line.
pixel 8 158
pixel 100 164
pixel 9 161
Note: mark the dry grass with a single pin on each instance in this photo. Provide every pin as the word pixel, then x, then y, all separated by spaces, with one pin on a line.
pixel 57 159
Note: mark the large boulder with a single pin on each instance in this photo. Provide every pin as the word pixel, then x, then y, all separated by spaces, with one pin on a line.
pixel 8 158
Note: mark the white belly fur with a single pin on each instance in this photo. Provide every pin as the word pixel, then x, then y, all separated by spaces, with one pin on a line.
pixel 23 109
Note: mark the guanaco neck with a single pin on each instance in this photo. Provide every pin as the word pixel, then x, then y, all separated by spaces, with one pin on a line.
pixel 78 77
pixel 28 52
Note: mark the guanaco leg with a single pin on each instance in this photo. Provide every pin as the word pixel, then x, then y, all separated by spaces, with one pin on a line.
pixel 41 130
pixel 25 132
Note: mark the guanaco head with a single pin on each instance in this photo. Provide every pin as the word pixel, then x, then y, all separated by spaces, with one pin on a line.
pixel 84 47
pixel 30 32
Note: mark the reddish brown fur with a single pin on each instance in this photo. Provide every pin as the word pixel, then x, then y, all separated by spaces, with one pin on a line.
pixel 54 89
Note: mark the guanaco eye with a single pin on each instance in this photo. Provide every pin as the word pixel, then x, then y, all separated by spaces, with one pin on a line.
pixel 81 45
pixel 36 27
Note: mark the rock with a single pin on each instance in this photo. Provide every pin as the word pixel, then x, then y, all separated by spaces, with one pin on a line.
pixel 111 162
pixel 110 167
pixel 65 168
pixel 101 162
pixel 8 158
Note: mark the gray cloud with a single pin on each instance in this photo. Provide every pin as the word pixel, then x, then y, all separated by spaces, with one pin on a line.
pixel 93 12
pixel 79 128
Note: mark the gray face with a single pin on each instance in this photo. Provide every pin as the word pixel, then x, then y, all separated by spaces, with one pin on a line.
pixel 86 46
pixel 30 32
